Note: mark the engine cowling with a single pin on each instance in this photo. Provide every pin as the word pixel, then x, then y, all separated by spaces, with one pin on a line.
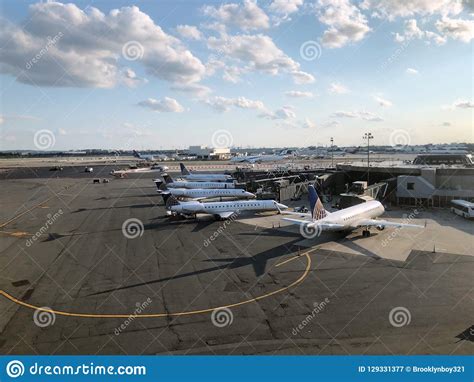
pixel 380 227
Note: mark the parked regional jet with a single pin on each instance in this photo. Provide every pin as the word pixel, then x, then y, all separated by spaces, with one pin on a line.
pixel 171 183
pixel 203 177
pixel 152 169
pixel 221 210
pixel 201 193
pixel 360 215
pixel 285 154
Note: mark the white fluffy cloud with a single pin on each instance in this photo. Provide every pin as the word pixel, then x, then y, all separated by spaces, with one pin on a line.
pixel 457 29
pixel 77 48
pixel 189 32
pixel 346 23
pixel 223 104
pixel 193 89
pixel 259 53
pixel 365 115
pixel 460 104
pixel 411 71
pixel 412 31
pixel 396 8
pixel 246 16
pixel 337 88
pixel 298 94
pixel 166 105
pixel 285 7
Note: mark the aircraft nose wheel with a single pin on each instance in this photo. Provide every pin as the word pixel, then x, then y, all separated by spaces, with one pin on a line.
pixel 366 233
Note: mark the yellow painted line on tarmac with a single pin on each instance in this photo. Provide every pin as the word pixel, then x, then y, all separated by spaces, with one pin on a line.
pixel 157 315
pixel 291 259
pixel 15 234
pixel 25 212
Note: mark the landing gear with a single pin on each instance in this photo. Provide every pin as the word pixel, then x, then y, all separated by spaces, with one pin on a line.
pixel 366 233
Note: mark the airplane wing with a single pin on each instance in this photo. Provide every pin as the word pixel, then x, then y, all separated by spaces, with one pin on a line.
pixel 386 223
pixel 225 215
pixel 322 226
pixel 300 214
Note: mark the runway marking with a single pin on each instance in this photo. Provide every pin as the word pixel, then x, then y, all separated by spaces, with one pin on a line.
pixel 25 212
pixel 16 234
pixel 157 315
pixel 291 259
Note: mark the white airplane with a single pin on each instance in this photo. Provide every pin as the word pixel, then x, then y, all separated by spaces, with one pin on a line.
pixel 147 157
pixel 201 193
pixel 221 210
pixel 347 219
pixel 152 169
pixel 203 177
pixel 285 154
pixel 171 183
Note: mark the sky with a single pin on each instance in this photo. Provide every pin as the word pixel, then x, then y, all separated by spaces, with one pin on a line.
pixel 275 73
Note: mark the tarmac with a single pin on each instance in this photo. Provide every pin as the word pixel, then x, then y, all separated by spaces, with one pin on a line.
pixel 77 276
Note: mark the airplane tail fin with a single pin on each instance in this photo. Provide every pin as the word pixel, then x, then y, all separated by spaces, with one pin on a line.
pixel 136 154
pixel 316 206
pixel 159 183
pixel 184 170
pixel 168 179
pixel 170 200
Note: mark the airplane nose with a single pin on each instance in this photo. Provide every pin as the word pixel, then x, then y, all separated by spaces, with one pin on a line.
pixel 250 195
pixel 282 206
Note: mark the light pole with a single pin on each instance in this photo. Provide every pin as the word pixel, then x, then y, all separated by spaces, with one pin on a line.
pixel 332 152
pixel 368 136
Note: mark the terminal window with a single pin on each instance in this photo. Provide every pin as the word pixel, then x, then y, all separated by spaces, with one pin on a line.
pixel 410 186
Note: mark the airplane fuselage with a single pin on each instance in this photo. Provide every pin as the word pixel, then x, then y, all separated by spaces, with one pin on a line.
pixel 211 193
pixel 349 217
pixel 183 184
pixel 216 208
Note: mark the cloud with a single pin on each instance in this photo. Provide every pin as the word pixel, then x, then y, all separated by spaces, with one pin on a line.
pixel 299 94
pixel 259 53
pixel 382 102
pixel 395 8
pixel 301 78
pixel 285 7
pixel 308 124
pixel 457 29
pixel 285 112
pixel 446 124
pixel 345 21
pixel 365 115
pixel 166 105
pixel 411 71
pixel 462 104
pixel 189 32
pixel 193 89
pixel 337 88
pixel 412 31
pixel 223 104
pixel 62 45
pixel 246 16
